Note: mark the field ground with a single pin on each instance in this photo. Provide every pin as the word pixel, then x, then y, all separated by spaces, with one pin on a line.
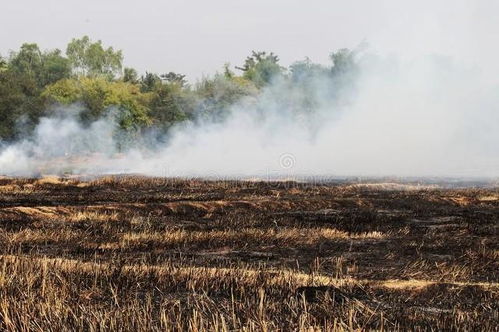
pixel 132 253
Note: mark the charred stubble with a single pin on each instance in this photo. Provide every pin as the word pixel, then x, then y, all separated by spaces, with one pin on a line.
pixel 135 253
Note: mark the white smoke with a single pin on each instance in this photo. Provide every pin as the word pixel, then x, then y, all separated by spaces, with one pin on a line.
pixel 422 117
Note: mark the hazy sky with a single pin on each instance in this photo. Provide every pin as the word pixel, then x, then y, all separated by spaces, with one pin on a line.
pixel 198 37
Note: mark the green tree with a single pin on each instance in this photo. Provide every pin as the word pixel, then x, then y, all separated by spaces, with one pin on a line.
pixel 172 77
pixel 54 67
pixel 92 59
pixel 3 64
pixel 44 68
pixel 171 103
pixel 20 105
pixel 149 82
pixel 216 95
pixel 130 75
pixel 306 70
pixel 228 74
pixel 261 68
pixel 21 80
pixel 343 62
pixel 28 61
pixel 100 96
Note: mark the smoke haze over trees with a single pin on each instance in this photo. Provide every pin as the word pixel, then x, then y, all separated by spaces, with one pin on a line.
pixel 82 111
pixel 33 83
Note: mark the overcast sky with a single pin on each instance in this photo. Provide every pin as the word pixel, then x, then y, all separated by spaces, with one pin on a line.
pixel 198 37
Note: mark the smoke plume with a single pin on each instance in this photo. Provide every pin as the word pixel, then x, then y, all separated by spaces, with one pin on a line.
pixel 425 116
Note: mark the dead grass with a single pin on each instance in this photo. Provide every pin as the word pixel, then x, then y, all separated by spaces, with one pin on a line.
pixel 245 237
pixel 136 253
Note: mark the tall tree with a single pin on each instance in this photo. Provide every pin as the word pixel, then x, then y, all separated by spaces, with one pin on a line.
pixel 130 75
pixel 20 105
pixel 3 64
pixel 44 68
pixel 54 67
pixel 217 94
pixel 92 59
pixel 28 61
pixel 149 82
pixel 343 62
pixel 172 77
pixel 100 96
pixel 170 103
pixel 261 67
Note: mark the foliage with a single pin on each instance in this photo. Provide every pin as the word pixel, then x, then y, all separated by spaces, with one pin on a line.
pixel 171 104
pixel 306 70
pixel 99 96
pixel 90 75
pixel 44 68
pixel 217 94
pixel 261 68
pixel 130 75
pixel 55 67
pixel 92 59
pixel 28 61
pixel 3 64
pixel 172 77
pixel 20 105
pixel 149 82
pixel 344 63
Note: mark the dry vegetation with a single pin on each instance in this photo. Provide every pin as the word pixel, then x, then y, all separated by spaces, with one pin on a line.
pixel 135 253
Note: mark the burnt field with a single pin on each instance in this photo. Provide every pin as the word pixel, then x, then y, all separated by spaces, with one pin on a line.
pixel 136 253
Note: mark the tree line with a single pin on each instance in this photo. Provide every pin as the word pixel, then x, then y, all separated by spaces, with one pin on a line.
pixel 34 83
